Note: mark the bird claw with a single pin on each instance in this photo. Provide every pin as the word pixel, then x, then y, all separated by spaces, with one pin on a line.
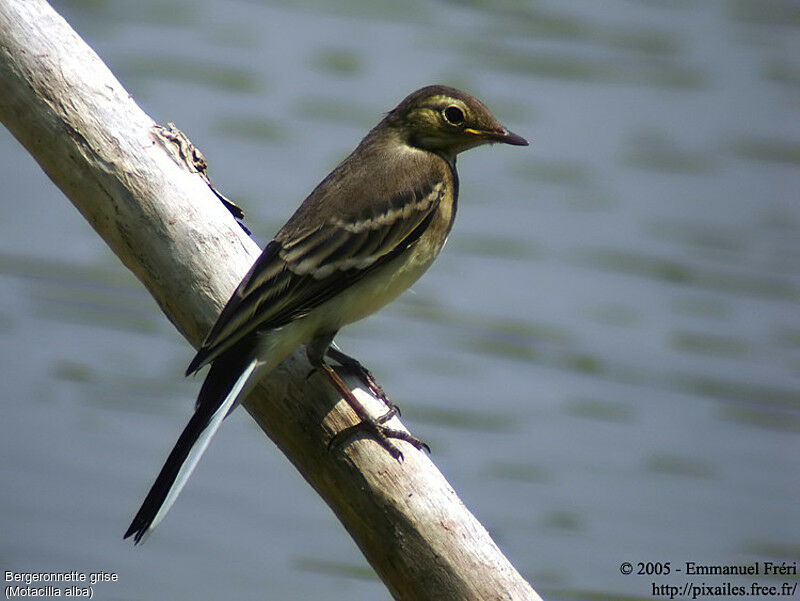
pixel 382 433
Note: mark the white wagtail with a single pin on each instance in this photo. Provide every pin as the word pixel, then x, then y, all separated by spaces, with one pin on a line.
pixel 364 235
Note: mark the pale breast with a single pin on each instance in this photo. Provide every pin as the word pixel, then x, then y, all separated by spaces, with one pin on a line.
pixel 392 279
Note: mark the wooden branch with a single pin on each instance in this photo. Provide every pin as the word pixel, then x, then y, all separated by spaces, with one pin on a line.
pixel 161 219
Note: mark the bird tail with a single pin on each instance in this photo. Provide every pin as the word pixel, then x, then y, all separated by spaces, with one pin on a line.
pixel 216 399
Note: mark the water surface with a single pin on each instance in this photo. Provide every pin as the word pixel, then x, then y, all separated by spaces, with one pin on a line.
pixel 605 359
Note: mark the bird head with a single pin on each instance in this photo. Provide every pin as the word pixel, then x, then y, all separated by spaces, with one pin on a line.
pixel 448 121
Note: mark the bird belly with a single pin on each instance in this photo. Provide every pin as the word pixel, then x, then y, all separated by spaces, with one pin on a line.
pixel 379 288
pixel 396 276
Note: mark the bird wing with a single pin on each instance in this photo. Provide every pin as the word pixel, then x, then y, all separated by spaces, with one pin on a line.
pixel 301 269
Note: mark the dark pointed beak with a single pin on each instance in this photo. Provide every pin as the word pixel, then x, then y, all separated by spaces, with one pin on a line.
pixel 501 135
pixel 509 137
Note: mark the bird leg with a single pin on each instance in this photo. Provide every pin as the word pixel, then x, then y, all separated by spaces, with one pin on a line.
pixel 316 349
pixel 367 423
pixel 365 375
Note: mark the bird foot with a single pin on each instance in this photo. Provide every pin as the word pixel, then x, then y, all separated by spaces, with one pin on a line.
pixel 382 433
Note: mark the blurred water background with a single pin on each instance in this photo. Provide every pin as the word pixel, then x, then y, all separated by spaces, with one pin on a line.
pixel 605 359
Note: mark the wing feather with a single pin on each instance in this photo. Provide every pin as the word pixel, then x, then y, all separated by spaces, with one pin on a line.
pixel 298 271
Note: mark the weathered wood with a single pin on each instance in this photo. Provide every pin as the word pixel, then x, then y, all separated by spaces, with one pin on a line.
pixel 163 222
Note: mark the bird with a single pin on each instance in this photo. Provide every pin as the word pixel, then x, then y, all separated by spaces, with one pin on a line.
pixel 365 234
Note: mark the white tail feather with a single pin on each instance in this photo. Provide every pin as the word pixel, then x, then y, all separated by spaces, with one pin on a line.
pixel 201 443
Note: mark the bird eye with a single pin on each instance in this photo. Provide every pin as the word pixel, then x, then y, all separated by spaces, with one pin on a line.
pixel 453 115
